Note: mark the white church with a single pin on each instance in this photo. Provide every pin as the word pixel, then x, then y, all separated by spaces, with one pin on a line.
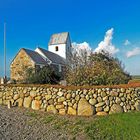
pixel 59 48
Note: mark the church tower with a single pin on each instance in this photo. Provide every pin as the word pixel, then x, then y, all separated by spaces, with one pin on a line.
pixel 60 44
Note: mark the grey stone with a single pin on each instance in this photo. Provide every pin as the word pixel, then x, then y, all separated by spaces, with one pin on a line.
pixel 92 101
pixel 106 109
pixel 137 106
pixel 116 108
pixel 100 104
pixel 99 109
pixel 103 94
pixel 99 99
pixel 118 100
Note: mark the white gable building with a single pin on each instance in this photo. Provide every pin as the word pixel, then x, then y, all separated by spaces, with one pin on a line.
pixel 57 54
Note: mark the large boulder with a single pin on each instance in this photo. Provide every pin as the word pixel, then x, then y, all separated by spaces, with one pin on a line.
pixel 27 102
pixel 36 104
pixel 84 108
pixel 116 108
pixel 52 109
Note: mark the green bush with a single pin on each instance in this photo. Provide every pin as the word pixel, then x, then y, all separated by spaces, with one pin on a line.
pixel 45 75
pixel 96 69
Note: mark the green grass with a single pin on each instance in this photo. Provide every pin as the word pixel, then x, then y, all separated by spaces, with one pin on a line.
pixel 32 114
pixel 115 127
pixel 124 126
pixel 136 77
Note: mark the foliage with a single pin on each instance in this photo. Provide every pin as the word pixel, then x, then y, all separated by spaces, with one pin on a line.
pixel 45 75
pixel 95 69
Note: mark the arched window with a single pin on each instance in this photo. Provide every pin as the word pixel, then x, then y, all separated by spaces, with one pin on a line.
pixel 56 48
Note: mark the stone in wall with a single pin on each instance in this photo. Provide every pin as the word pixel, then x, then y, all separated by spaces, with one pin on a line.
pixel 116 108
pixel 27 102
pixel 62 111
pixel 84 108
pixel 101 113
pixel 71 111
pixel 52 109
pixel 137 106
pixel 36 104
pixel 19 102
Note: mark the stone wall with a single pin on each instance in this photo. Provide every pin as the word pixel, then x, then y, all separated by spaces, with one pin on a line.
pixel 74 101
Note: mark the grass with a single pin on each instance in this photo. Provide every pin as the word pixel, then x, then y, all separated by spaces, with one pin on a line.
pixel 135 79
pixel 32 114
pixel 115 127
pixel 124 126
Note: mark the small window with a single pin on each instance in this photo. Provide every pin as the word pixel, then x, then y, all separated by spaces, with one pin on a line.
pixel 56 48
pixel 60 68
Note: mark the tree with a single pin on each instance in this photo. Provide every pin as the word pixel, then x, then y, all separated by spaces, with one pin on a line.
pixel 45 75
pixel 95 69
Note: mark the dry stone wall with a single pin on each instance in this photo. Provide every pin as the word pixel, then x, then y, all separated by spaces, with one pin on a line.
pixel 82 102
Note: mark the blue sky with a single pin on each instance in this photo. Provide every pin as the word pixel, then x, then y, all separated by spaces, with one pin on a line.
pixel 31 22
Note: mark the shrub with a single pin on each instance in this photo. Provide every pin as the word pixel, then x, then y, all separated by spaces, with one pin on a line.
pixel 95 69
pixel 45 75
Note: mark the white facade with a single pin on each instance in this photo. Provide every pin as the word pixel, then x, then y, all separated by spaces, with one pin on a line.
pixel 59 49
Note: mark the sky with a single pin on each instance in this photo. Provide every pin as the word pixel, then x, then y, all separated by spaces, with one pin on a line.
pixel 112 25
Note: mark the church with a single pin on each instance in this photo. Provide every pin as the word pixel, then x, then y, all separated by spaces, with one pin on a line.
pixel 59 48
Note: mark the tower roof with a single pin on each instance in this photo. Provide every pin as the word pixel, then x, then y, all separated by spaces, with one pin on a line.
pixel 60 38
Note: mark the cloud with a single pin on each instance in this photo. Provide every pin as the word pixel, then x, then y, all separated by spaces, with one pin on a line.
pixel 106 45
pixel 127 42
pixel 134 52
pixel 79 47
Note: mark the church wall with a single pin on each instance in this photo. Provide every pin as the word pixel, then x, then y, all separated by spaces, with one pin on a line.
pixel 19 66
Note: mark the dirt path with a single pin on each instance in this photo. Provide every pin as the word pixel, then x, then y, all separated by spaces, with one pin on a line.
pixel 16 124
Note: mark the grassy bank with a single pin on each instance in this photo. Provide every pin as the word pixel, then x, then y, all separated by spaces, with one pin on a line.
pixel 112 127
pixel 135 79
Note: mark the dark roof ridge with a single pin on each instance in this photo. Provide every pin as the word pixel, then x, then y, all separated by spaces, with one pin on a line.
pixel 51 52
pixel 55 58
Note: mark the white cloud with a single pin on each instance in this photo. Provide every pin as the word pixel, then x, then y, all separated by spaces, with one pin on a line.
pixel 106 45
pixel 79 47
pixel 134 52
pixel 127 42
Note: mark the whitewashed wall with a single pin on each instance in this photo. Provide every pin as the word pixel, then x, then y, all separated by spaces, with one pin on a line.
pixel 61 49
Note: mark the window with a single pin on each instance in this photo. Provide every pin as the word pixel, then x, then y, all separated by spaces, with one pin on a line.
pixel 60 69
pixel 56 48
